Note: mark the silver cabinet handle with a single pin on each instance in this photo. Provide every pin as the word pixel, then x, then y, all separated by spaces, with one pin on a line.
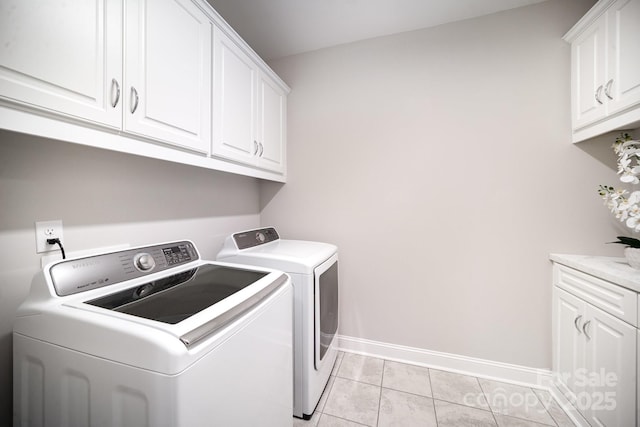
pixel 255 147
pixel 598 94
pixel 261 149
pixel 584 328
pixel 607 89
pixel 115 83
pixel 575 322
pixel 134 93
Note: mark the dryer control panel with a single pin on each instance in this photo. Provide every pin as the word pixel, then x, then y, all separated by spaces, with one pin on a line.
pixel 82 274
pixel 251 238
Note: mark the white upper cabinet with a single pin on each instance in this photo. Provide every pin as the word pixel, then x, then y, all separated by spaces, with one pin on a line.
pixel 623 56
pixel 588 53
pixel 167 79
pixel 167 86
pixel 65 60
pixel 249 109
pixel 69 60
pixel 272 124
pixel 605 69
pixel 235 104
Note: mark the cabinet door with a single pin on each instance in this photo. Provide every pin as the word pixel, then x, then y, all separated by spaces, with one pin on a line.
pixel 568 339
pixel 64 57
pixel 611 366
pixel 168 72
pixel 623 85
pixel 271 124
pixel 588 74
pixel 234 101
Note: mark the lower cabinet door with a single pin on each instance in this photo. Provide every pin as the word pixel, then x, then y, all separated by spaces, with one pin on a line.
pixel 610 370
pixel 568 340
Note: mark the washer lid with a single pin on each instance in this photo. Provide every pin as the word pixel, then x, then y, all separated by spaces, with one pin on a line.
pixel 290 256
pixel 179 296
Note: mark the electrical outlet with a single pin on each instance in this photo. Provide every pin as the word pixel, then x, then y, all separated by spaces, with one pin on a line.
pixel 47 230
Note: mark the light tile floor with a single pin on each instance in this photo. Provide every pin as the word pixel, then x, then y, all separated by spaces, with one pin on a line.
pixel 366 391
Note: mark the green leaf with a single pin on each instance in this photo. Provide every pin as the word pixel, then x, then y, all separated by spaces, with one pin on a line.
pixel 628 241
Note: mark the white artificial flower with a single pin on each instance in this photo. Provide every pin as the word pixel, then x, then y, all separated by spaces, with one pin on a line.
pixel 633 223
pixel 624 205
pixel 627 177
pixel 634 198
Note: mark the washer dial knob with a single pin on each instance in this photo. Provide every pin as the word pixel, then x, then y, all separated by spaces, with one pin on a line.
pixel 144 261
pixel 260 237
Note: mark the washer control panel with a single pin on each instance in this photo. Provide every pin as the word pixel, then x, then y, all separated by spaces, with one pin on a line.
pixel 83 274
pixel 251 238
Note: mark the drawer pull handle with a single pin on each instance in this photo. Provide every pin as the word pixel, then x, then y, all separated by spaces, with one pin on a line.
pixel 114 83
pixel 584 328
pixel 134 92
pixel 598 94
pixel 255 147
pixel 575 322
pixel 607 89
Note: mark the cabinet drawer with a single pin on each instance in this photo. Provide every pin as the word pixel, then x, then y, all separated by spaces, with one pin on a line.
pixel 613 299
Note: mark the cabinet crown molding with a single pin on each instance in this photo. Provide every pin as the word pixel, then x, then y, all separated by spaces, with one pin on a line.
pixel 590 17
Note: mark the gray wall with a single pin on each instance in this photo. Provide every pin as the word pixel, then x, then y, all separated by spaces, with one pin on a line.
pixel 103 198
pixel 440 161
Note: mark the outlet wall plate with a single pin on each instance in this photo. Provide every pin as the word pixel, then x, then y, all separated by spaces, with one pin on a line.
pixel 48 230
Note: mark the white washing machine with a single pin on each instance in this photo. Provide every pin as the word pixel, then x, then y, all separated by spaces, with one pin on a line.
pixel 154 336
pixel 313 267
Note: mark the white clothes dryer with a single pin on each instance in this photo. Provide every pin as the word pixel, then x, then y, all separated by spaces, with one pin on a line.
pixel 313 268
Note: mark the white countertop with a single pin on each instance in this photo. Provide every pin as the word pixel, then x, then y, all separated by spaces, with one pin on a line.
pixel 614 270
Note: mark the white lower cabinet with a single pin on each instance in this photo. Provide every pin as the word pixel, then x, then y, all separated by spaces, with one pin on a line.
pixel 594 351
pixel 569 343
pixel 610 354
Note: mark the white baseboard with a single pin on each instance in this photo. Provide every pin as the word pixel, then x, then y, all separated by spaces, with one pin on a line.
pixel 522 375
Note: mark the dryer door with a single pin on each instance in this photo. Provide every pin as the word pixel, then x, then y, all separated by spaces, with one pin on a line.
pixel 326 307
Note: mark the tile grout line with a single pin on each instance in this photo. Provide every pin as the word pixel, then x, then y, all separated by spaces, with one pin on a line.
pixel 328 391
pixel 433 399
pixel 543 407
pixel 348 420
pixel 546 403
pixel 384 362
pixel 493 413
pixel 495 420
